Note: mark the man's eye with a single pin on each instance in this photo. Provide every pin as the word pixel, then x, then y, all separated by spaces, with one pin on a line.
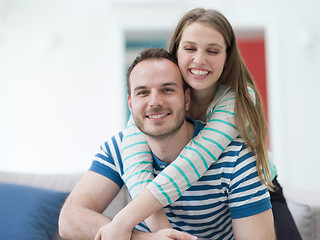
pixel 167 90
pixel 142 93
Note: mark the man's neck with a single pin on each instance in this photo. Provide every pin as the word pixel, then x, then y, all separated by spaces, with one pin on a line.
pixel 168 149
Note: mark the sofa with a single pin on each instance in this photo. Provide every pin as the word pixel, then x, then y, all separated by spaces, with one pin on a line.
pixel 30 205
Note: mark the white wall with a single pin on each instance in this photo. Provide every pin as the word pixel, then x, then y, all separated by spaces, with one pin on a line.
pixel 61 76
pixel 61 83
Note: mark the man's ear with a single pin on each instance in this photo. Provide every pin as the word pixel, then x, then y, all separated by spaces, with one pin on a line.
pixel 187 97
pixel 129 103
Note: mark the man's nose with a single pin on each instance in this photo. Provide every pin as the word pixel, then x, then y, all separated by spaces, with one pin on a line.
pixel 155 99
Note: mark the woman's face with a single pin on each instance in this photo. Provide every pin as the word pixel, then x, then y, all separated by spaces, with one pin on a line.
pixel 201 56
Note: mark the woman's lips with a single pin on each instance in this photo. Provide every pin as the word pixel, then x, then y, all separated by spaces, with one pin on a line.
pixel 199 73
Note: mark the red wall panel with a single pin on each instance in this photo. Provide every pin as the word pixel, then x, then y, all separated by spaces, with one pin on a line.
pixel 252 50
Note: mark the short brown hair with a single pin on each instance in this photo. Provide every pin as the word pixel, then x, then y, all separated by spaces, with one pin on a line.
pixel 152 53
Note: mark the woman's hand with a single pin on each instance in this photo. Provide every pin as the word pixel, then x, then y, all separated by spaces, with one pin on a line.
pixel 112 231
pixel 163 234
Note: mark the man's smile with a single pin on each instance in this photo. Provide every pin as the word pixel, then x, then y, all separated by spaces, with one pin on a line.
pixel 157 116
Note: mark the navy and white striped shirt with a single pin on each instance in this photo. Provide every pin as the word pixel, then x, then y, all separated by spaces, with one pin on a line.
pixel 230 189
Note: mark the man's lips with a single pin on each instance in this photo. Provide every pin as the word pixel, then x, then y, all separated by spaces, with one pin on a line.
pixel 157 116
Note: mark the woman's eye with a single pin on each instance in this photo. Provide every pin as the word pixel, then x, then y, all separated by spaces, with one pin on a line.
pixel 213 51
pixel 189 49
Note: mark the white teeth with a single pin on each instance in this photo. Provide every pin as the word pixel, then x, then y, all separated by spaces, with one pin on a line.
pixel 157 116
pixel 199 72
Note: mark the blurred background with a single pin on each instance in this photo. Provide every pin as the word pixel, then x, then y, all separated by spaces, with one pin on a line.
pixel 63 66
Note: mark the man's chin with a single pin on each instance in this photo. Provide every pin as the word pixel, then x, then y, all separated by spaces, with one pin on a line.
pixel 160 134
pixel 154 134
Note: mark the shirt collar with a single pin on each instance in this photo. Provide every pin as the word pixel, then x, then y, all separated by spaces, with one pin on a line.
pixel 160 165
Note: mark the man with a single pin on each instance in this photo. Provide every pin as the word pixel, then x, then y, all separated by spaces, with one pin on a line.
pixel 229 200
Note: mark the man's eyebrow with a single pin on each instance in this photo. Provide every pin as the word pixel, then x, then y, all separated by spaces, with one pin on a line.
pixel 162 85
pixel 169 84
pixel 139 88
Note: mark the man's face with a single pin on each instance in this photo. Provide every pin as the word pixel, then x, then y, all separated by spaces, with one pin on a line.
pixel 158 102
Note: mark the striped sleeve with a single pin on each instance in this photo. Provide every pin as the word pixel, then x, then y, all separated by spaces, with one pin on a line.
pixel 107 161
pixel 137 159
pixel 247 195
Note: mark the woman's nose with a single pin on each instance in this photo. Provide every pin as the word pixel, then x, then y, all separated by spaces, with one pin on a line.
pixel 199 58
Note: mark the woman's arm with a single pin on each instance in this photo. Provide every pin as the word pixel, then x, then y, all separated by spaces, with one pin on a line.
pixel 122 224
pixel 138 172
pixel 202 151
pixel 137 159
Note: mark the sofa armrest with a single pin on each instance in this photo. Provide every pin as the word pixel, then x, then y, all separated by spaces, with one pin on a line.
pixel 56 182
pixel 304 206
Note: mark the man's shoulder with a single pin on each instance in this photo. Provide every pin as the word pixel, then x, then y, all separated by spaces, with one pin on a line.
pixel 112 146
pixel 236 151
pixel 198 125
pixel 110 151
pixel 107 161
pixel 115 140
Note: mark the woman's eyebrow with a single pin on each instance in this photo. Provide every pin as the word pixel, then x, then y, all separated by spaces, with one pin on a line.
pixel 210 44
pixel 215 44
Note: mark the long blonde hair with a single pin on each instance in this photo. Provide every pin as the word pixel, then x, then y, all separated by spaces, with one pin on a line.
pixel 250 117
